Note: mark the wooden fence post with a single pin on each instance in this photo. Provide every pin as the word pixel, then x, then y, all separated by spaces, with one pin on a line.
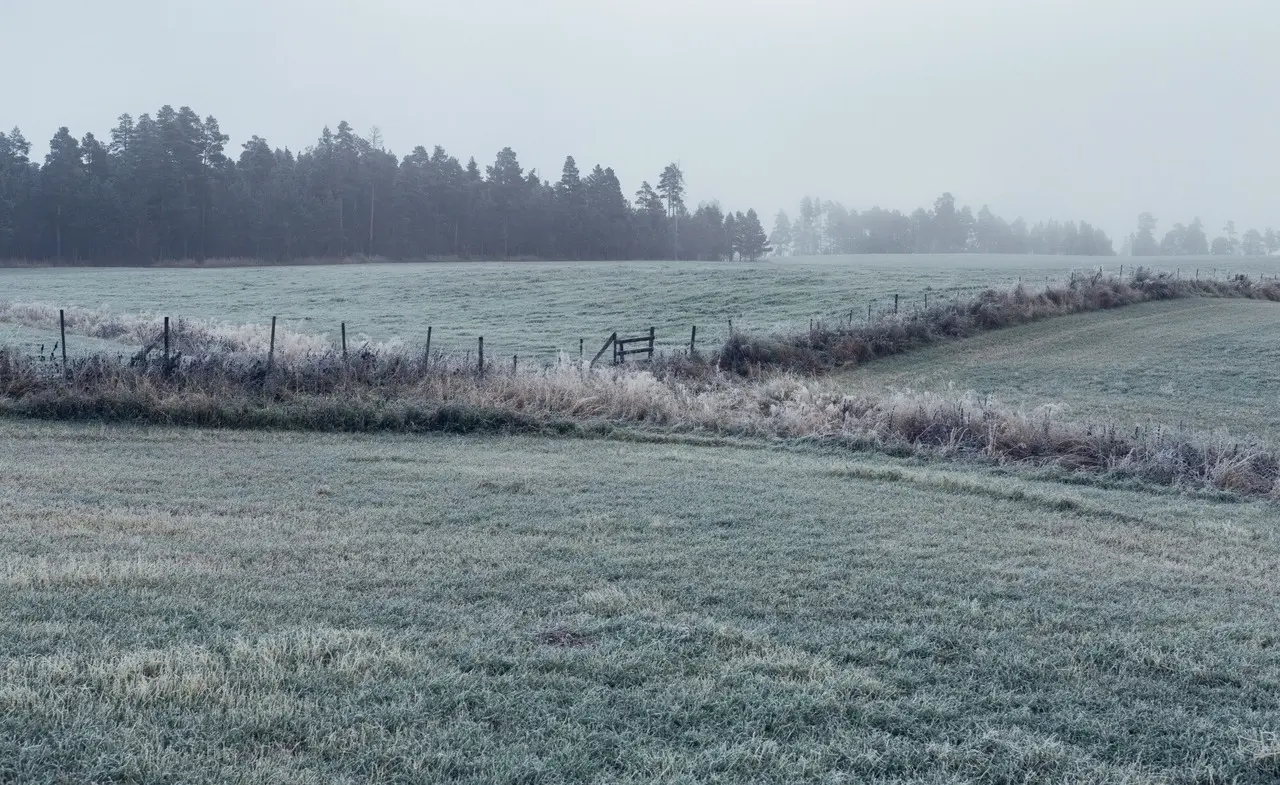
pixel 62 329
pixel 895 305
pixel 868 313
pixel 344 340
pixel 480 354
pixel 651 343
pixel 608 342
pixel 271 350
pixel 693 340
pixel 166 344
pixel 581 349
pixel 926 301
pixel 515 363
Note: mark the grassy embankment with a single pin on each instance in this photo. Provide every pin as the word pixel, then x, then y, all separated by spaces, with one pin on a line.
pixel 217 384
pixel 831 345
pixel 1200 364
pixel 222 606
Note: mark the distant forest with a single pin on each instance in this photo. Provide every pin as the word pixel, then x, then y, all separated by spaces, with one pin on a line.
pixel 165 188
pixel 1191 240
pixel 828 228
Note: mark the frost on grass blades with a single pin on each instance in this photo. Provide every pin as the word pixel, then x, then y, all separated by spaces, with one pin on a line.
pixel 222 375
pixel 540 309
pixel 192 337
pixel 396 392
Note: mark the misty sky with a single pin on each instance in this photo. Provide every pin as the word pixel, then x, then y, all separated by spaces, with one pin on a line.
pixel 1093 109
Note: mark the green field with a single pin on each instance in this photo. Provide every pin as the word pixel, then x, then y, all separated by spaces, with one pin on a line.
pixel 1202 364
pixel 191 606
pixel 671 604
pixel 539 309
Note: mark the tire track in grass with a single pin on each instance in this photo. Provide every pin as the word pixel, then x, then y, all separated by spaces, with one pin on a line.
pixel 1026 498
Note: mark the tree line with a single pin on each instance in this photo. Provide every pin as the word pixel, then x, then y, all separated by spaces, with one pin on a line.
pixel 1191 240
pixel 164 188
pixel 829 228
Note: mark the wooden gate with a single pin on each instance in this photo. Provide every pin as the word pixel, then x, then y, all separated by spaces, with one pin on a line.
pixel 622 347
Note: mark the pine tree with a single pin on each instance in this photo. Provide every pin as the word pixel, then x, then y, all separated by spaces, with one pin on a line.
pixel 780 238
pixel 570 211
pixel 671 186
pixel 753 242
pixel 732 236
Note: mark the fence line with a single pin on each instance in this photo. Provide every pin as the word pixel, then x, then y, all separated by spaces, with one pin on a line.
pixel 649 346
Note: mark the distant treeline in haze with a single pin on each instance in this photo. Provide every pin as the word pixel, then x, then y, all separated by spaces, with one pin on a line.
pixel 1191 240
pixel 165 188
pixel 828 228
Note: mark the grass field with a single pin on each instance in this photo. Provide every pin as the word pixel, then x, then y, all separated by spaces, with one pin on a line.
pixel 1204 364
pixel 539 309
pixel 193 606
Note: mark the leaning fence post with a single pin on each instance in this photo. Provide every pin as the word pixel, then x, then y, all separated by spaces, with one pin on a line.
pixel 608 342
pixel 62 328
pixel 271 350
pixel 480 355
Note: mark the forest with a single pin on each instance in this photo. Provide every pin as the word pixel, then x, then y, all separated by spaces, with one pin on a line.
pixel 828 228
pixel 1191 240
pixel 167 188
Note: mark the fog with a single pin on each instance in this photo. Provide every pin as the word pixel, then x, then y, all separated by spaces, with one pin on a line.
pixel 1090 109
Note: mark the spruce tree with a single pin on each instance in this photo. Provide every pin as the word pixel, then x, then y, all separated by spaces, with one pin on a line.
pixel 753 242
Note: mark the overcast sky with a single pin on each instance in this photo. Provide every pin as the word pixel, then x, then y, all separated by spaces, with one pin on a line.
pixel 1093 109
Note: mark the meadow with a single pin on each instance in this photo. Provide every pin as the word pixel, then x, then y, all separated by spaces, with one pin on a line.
pixel 539 309
pixel 1200 364
pixel 183 605
pixel 672 574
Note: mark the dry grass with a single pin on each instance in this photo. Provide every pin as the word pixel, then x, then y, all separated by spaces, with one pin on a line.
pixel 381 392
pixel 214 379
